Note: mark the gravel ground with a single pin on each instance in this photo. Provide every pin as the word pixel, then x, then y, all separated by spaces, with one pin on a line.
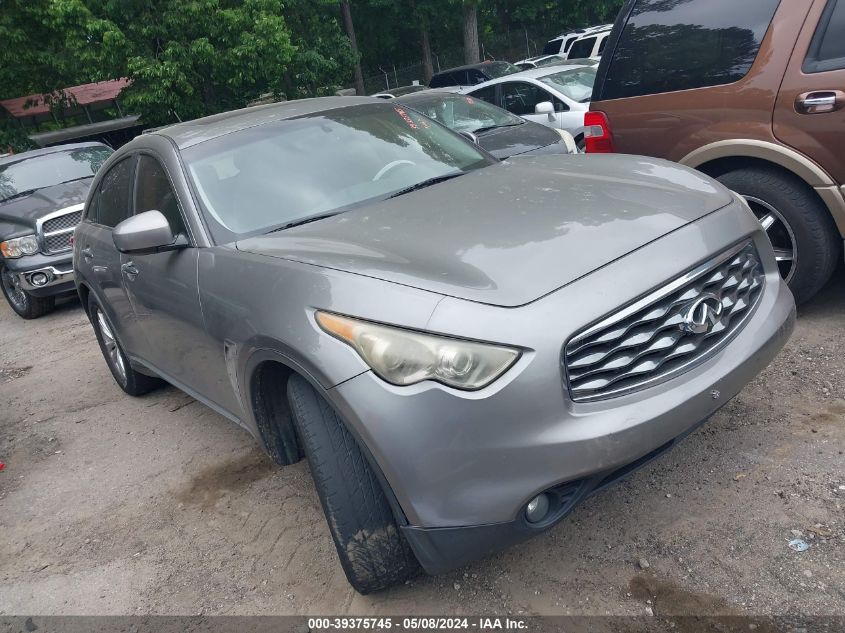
pixel 157 505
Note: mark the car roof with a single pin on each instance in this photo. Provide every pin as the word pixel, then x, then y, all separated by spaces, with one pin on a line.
pixel 191 133
pixel 536 73
pixel 479 65
pixel 589 30
pixel 44 151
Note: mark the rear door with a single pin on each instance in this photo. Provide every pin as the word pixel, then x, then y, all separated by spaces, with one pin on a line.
pixel 100 259
pixel 810 111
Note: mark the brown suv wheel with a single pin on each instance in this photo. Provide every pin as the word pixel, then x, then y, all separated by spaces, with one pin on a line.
pixel 797 223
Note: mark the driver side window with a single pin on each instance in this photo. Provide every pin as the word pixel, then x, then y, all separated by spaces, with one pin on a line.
pixel 521 98
pixel 154 192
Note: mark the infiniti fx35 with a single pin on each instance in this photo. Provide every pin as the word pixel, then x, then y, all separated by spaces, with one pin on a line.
pixel 462 348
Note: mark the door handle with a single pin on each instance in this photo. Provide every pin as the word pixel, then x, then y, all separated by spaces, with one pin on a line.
pixel 820 101
pixel 87 253
pixel 129 270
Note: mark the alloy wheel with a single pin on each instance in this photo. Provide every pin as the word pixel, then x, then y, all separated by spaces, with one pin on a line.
pixel 115 358
pixel 780 234
pixel 16 295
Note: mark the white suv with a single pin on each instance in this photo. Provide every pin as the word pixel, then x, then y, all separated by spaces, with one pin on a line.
pixel 562 43
pixel 588 45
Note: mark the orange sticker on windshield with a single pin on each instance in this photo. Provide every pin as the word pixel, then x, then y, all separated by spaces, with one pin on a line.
pixel 401 112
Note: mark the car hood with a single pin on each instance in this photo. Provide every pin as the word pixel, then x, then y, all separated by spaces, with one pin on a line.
pixel 26 210
pixel 510 141
pixel 509 233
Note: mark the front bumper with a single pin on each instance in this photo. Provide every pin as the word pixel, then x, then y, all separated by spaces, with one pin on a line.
pixel 463 465
pixel 55 272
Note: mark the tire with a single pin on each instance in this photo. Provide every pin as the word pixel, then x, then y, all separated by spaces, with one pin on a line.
pixel 24 304
pixel 372 550
pixel 800 217
pixel 132 382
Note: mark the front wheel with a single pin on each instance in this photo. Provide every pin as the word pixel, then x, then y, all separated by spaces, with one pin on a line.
pixel 24 304
pixel 373 552
pixel 132 382
pixel 802 233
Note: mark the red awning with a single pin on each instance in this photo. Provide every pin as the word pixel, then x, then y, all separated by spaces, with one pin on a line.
pixel 86 94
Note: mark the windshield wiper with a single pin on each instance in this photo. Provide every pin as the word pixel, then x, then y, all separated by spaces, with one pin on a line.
pixel 482 130
pixel 19 194
pixel 425 183
pixel 305 220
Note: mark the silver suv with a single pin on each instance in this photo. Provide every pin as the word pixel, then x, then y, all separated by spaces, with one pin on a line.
pixel 463 349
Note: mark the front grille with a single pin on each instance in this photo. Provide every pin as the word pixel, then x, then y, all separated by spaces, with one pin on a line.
pixel 668 331
pixel 57 231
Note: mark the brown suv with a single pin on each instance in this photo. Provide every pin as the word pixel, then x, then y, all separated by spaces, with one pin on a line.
pixel 751 93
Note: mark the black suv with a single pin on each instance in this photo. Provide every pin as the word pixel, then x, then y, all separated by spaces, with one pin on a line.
pixel 472 74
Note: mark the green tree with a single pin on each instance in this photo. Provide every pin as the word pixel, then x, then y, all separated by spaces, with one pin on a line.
pixel 189 58
pixel 48 45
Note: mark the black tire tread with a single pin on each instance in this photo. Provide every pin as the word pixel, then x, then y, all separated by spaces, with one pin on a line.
pixel 818 241
pixel 372 550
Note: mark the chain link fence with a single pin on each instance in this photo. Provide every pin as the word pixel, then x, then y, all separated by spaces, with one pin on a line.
pixel 511 47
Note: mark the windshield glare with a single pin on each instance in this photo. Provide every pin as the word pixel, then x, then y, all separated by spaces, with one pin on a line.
pixel 575 83
pixel 47 170
pixel 262 178
pixel 462 113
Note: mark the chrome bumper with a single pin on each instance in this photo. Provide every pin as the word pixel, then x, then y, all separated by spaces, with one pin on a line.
pixel 52 276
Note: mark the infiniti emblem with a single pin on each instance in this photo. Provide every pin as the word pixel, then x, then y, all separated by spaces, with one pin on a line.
pixel 702 315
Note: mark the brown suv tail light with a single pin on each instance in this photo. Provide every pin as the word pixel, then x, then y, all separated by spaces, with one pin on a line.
pixel 598 138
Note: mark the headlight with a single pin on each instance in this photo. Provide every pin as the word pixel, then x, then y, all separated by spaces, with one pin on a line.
pixel 20 246
pixel 403 357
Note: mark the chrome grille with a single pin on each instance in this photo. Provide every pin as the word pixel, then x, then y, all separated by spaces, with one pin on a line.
pixel 655 338
pixel 56 230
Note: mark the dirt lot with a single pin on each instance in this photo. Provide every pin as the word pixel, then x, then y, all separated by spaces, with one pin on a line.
pixel 114 505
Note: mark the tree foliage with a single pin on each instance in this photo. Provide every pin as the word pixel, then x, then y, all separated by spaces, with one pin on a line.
pixel 188 58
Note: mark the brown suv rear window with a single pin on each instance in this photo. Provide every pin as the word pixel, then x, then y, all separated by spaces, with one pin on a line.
pixel 670 45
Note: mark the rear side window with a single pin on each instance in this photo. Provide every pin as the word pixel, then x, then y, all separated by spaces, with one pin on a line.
pixel 683 44
pixel 582 48
pixel 91 211
pixel 154 193
pixel 552 48
pixel 441 79
pixel 827 50
pixel 113 206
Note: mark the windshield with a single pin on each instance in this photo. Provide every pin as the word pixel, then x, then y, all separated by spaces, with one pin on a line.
pixel 575 83
pixel 462 113
pixel 38 172
pixel 260 179
pixel 494 70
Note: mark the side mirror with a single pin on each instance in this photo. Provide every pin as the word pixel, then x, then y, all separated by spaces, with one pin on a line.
pixel 148 231
pixel 472 138
pixel 545 107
